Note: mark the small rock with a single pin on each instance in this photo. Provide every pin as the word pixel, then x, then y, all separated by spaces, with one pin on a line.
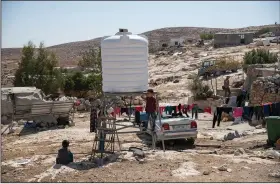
pixel 211 138
pixel 223 168
pixel 259 127
pixel 60 126
pixel 141 161
pixel 245 167
pixel 206 172
pixel 229 136
pixel 71 124
pixel 237 135
pixel 229 170
pixel 239 151
pixel 275 174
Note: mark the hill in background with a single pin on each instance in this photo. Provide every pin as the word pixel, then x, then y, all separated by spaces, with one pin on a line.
pixel 68 54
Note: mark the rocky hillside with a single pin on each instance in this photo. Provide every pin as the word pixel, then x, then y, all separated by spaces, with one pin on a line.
pixel 69 53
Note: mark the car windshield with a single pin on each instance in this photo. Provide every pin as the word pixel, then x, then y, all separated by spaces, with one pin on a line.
pixel 205 64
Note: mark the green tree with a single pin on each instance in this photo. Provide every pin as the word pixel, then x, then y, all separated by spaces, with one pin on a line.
pixel 91 59
pixel 94 82
pixel 38 69
pixel 199 90
pixel 206 36
pixel 83 82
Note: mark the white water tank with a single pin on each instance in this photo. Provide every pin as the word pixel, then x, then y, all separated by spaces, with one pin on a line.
pixel 124 63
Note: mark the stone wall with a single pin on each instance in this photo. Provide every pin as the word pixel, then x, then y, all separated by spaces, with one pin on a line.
pixel 265 89
pixel 258 70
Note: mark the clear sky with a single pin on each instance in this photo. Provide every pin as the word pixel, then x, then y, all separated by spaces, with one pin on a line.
pixel 57 22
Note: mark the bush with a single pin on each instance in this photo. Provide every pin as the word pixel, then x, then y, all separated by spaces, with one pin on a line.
pixel 262 31
pixel 199 90
pixel 260 56
pixel 81 84
pixel 206 36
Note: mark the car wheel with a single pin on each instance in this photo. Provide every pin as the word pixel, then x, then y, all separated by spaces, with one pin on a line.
pixel 191 141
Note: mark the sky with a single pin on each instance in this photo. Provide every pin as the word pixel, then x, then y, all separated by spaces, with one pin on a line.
pixel 57 22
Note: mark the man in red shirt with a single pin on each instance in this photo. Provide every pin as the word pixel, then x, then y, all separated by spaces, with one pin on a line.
pixel 151 109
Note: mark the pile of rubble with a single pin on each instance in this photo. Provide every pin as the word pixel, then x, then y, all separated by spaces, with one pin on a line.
pixel 265 89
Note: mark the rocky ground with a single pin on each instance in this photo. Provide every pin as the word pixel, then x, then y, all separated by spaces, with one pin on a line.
pixel 216 157
pixel 172 71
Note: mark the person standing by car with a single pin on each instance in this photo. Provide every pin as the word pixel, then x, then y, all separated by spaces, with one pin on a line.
pixel 151 109
pixel 226 87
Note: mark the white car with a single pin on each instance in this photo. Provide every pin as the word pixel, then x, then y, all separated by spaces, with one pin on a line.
pixel 175 128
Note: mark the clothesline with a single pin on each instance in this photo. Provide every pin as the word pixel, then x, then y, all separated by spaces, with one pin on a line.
pixel 248 112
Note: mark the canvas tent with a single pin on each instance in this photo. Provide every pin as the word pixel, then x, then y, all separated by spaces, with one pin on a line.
pixel 20 98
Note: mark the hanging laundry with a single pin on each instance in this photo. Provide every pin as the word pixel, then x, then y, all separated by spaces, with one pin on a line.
pixel 168 110
pixel 218 114
pixel 248 113
pixel 174 109
pixel 131 111
pixel 124 110
pixel 275 109
pixel 267 110
pixel 186 109
pixel 258 112
pixel 161 109
pixel 139 108
pixel 179 107
pixel 237 112
pixel 207 109
pixel 195 111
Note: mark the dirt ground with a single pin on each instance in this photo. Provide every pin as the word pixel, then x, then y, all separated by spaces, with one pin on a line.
pixel 30 157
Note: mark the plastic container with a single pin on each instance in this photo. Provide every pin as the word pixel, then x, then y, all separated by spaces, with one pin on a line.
pixel 143 117
pixel 124 63
pixel 273 129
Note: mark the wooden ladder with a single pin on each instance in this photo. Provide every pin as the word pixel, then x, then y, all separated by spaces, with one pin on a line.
pixel 105 137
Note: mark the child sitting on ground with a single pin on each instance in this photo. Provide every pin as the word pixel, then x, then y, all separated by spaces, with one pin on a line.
pixel 64 156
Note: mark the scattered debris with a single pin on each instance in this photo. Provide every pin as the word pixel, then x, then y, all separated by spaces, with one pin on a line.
pixel 239 151
pixel 186 169
pixel 223 168
pixel 245 167
pixel 206 172
pixel 275 174
pixel 272 154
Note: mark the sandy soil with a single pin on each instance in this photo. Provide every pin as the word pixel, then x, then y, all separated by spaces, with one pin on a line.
pixel 31 158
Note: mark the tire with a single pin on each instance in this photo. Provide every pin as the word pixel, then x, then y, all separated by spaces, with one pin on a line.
pixel 217 74
pixel 191 141
pixel 206 75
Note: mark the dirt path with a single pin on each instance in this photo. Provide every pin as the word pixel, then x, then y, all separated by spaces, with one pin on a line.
pixel 31 158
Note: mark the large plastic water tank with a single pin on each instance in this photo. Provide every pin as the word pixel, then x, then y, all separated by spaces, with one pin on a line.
pixel 124 63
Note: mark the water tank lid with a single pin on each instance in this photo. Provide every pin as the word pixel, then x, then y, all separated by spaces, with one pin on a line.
pixel 121 30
